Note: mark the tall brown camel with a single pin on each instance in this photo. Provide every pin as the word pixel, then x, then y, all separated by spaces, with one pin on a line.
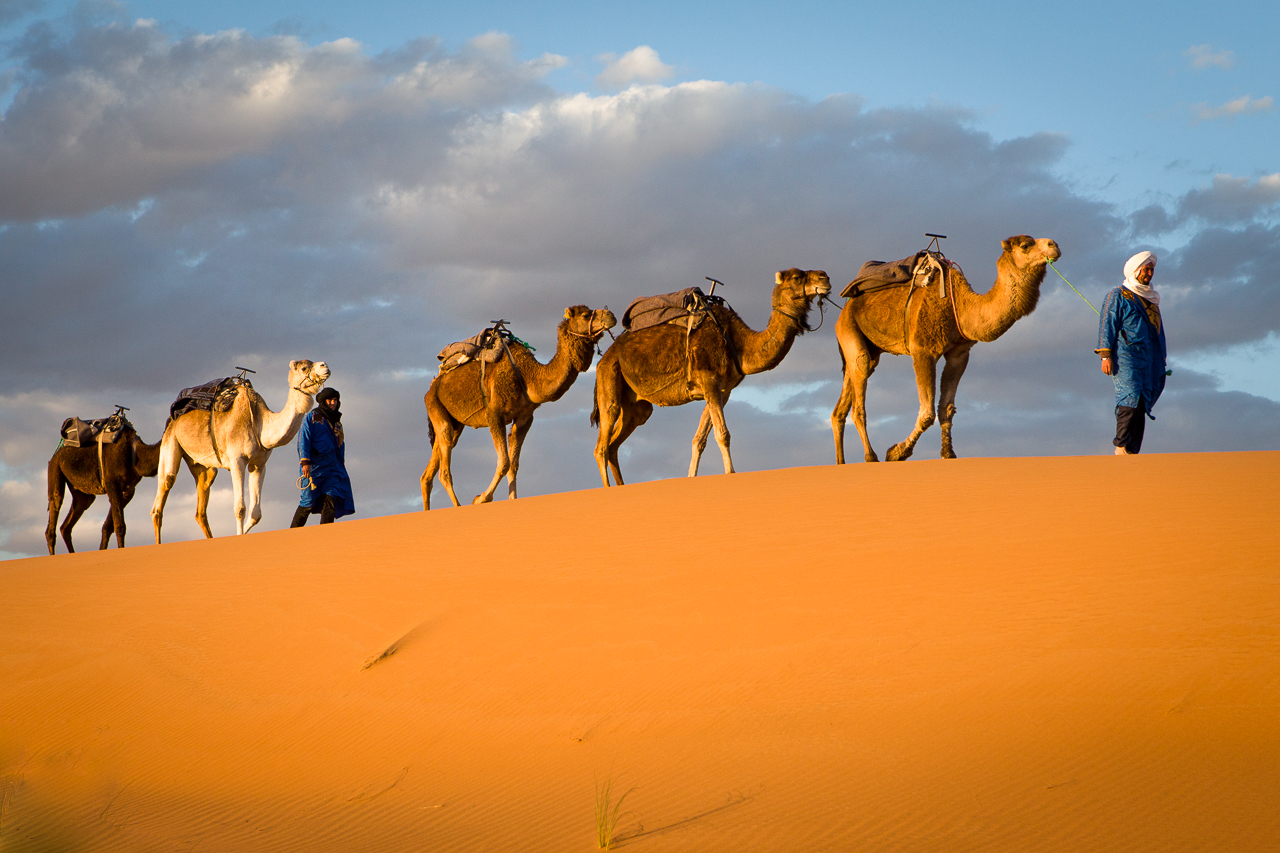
pixel 124 464
pixel 929 327
pixel 458 398
pixel 240 440
pixel 666 365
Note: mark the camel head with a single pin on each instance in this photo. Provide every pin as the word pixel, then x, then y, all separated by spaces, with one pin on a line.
pixel 795 290
pixel 308 376
pixel 1029 254
pixel 588 326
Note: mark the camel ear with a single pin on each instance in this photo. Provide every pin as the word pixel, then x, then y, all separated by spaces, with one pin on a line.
pixel 1004 244
pixel 567 315
pixel 777 278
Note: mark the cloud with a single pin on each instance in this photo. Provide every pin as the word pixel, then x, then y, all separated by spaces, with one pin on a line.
pixel 1204 56
pixel 641 65
pixel 1230 199
pixel 1243 105
pixel 14 10
pixel 171 207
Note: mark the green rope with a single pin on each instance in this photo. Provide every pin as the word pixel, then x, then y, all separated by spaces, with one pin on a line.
pixel 1073 287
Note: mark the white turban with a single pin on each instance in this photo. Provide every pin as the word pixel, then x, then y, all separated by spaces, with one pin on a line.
pixel 1131 267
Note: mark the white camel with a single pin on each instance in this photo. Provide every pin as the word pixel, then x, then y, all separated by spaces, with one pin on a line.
pixel 239 440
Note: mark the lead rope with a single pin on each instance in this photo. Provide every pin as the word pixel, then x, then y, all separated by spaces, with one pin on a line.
pixel 1073 287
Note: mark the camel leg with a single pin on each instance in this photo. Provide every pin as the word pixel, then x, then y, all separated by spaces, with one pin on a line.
pixel 204 484
pixel 115 518
pixel 429 474
pixel 166 473
pixel 498 430
pixel 858 365
pixel 256 475
pixel 80 501
pixel 633 416
pixel 716 405
pixel 700 439
pixel 57 482
pixel 610 415
pixel 926 380
pixel 519 430
pixel 951 373
pixel 109 526
pixel 239 474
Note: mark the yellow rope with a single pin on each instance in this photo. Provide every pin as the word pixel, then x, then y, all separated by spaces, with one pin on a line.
pixel 1073 287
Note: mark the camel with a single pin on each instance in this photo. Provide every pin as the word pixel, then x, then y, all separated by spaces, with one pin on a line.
pixel 123 465
pixel 667 365
pixel 240 440
pixel 919 323
pixel 498 396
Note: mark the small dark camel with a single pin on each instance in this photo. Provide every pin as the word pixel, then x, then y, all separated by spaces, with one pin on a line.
pixel 457 398
pixel 124 464
pixel 928 328
pixel 668 366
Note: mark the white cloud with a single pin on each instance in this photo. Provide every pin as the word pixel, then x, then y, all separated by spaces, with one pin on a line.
pixel 1204 56
pixel 1243 105
pixel 641 65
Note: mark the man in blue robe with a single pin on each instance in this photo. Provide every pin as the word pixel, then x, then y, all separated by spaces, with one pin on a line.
pixel 322 454
pixel 1132 346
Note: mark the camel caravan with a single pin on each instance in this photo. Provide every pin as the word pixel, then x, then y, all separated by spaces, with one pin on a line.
pixel 674 348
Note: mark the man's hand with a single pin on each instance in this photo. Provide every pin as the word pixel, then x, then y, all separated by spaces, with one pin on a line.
pixel 1107 367
pixel 306 470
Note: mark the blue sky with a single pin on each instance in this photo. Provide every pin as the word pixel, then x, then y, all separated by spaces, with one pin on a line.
pixel 187 187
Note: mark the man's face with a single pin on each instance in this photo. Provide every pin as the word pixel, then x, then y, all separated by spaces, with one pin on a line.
pixel 332 402
pixel 1144 273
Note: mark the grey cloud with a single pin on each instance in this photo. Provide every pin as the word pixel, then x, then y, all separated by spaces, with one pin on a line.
pixel 1230 200
pixel 15 10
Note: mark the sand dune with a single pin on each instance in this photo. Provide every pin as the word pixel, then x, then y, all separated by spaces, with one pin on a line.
pixel 988 654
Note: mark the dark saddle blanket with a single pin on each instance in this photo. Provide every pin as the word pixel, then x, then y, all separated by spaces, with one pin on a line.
pixel 918 270
pixel 80 433
pixel 877 275
pixel 666 308
pixel 215 396
pixel 488 347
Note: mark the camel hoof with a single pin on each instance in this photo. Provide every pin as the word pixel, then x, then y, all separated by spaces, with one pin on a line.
pixel 871 457
pixel 479 499
pixel 898 453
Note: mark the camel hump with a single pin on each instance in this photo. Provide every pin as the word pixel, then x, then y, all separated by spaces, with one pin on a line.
pixel 665 307
pixel 217 395
pixel 486 346
pixel 81 433
pixel 877 275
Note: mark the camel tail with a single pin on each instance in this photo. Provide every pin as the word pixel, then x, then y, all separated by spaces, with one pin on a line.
pixel 595 411
pixel 431 433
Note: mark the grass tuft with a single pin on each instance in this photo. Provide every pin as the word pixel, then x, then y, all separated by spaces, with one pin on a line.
pixel 607 812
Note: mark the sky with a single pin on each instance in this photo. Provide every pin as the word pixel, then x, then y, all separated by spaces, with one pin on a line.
pixel 189 187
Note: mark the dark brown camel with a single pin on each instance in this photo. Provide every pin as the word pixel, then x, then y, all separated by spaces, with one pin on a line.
pixel 667 365
pixel 124 464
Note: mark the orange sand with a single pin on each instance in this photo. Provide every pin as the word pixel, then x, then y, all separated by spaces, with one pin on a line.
pixel 1066 654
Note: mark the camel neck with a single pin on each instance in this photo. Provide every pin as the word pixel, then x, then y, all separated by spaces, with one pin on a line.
pixel 548 382
pixel 280 427
pixel 987 316
pixel 764 350
pixel 148 457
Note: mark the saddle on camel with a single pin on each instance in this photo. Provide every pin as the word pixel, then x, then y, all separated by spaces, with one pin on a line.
pixel 97 457
pixel 488 347
pixel 217 395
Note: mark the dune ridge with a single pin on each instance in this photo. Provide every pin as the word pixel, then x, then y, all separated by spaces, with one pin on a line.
pixel 980 654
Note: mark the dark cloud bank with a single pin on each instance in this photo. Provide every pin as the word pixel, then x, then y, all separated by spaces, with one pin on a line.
pixel 172 207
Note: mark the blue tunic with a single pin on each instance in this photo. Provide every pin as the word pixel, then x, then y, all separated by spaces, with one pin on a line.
pixel 1131 333
pixel 319 445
